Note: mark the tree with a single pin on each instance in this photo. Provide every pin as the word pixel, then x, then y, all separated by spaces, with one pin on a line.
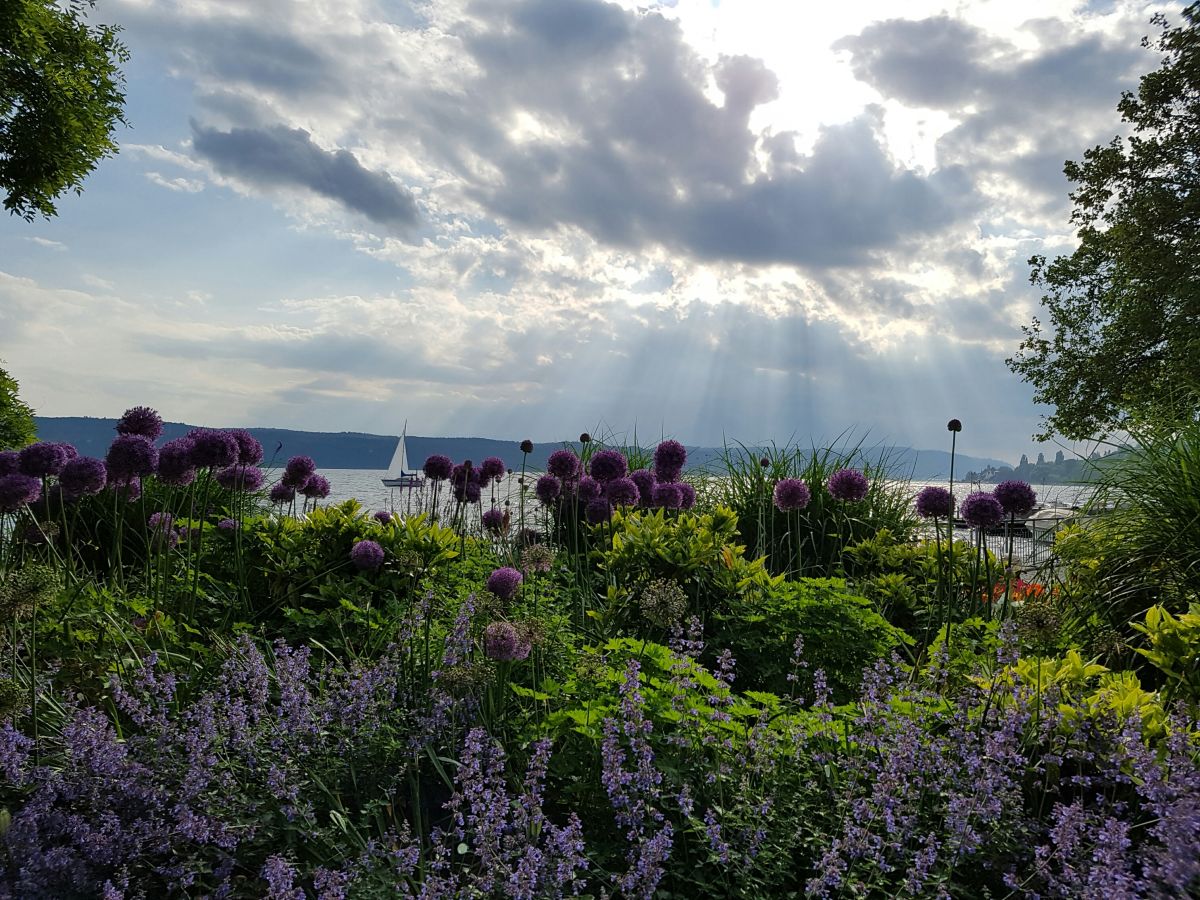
pixel 1059 459
pixel 1122 346
pixel 16 418
pixel 60 100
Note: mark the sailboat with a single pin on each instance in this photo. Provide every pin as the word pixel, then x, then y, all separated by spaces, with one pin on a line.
pixel 397 472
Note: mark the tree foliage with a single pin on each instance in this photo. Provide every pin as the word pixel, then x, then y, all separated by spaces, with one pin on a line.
pixel 16 418
pixel 1122 345
pixel 60 100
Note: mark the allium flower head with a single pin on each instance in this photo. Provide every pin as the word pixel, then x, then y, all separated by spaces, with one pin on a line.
pixel 241 478
pixel 129 491
pixel 464 473
pixel 161 521
pixel 438 467
pixel 954 425
pixel 547 489
pixel 598 510
pixel 848 485
pixel 622 492
pixel 764 462
pixel 669 459
pixel 141 420
pixel 316 487
pixel 282 493
pixel 18 489
pixel 663 602
pixel 491 468
pixel 383 517
pixel 10 462
pixel 563 465
pixel 250 451
pixel 494 520
pixel 585 438
pixel 83 475
pixel 1016 498
pixel 934 503
pixel 131 456
pixel 228 525
pixel 981 510
pixel 587 489
pixel 791 494
pixel 537 558
pixel 688 495
pixel 367 555
pixel 504 643
pixel 526 446
pixel 644 479
pixel 42 459
pixel 608 465
pixel 298 470
pixel 504 582
pixel 175 466
pixel 468 493
pixel 667 495
pixel 213 449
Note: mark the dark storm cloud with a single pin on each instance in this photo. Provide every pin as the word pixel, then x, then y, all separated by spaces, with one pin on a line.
pixel 287 157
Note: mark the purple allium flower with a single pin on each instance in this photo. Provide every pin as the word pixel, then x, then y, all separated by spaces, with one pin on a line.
pixel 503 643
pixel 228 525
pixel 954 425
pixel 438 467
pixel 161 521
pixel 175 466
pixel 547 489
pixel 298 470
pixel 981 510
pixel 241 478
pixel 316 487
pixel 128 491
pixel 849 485
pixel 667 495
pixel 622 492
pixel 282 493
pixel 587 489
pixel 608 465
pixel 10 462
pixel 18 489
pixel 764 462
pixel 504 582
pixel 563 465
pixel 250 451
pixel 83 475
pixel 213 449
pixel 526 446
pixel 669 459
pixel 367 555
pixel 141 420
pixel 468 493
pixel 493 520
pixel 934 503
pixel 42 459
pixel 131 456
pixel 791 494
pixel 598 510
pixel 383 517
pixel 1016 498
pixel 688 494
pixel 644 479
pixel 585 438
pixel 492 467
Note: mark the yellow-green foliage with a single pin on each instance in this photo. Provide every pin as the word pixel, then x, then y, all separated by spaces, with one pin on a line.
pixel 1174 649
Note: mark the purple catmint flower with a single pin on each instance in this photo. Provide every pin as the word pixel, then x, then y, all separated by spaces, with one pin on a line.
pixel 367 555
pixel 10 462
pixel 622 492
pixel 934 503
pixel 82 476
pixel 667 495
pixel 504 582
pixel 644 479
pixel 598 510
pixel 131 456
pixel 669 459
pixel 587 489
pixel 383 517
pixel 250 450
pixel 18 489
pixel 280 877
pixel 791 494
pixel 547 489
pixel 981 510
pixel 241 478
pixel 175 466
pixel 141 420
pixel 316 487
pixel 491 468
pixel 1016 498
pixel 438 467
pixel 504 643
pixel 848 485
pixel 608 465
pixel 687 494
pixel 42 459
pixel 493 520
pixel 282 493
pixel 228 525
pixel 563 465
pixel 213 449
pixel 298 470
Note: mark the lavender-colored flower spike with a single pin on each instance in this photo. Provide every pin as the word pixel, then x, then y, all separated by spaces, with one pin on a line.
pixel 438 467
pixel 175 466
pixel 367 555
pixel 18 489
pixel 848 485
pixel 981 510
pixel 82 476
pixel 42 459
pixel 563 465
pixel 131 456
pixel 934 503
pixel 669 459
pixel 504 582
pixel 608 465
pixel 141 420
pixel 791 494
pixel 1016 498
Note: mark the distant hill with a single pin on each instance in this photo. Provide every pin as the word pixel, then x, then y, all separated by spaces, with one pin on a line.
pixel 356 450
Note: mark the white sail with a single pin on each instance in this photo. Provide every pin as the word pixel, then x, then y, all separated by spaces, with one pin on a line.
pixel 399 463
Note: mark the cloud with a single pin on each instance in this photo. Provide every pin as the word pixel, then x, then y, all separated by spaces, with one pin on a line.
pixel 287 157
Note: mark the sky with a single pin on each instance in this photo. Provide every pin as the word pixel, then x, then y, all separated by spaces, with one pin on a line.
pixel 715 220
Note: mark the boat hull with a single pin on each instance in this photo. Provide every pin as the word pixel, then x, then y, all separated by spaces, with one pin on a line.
pixel 407 481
